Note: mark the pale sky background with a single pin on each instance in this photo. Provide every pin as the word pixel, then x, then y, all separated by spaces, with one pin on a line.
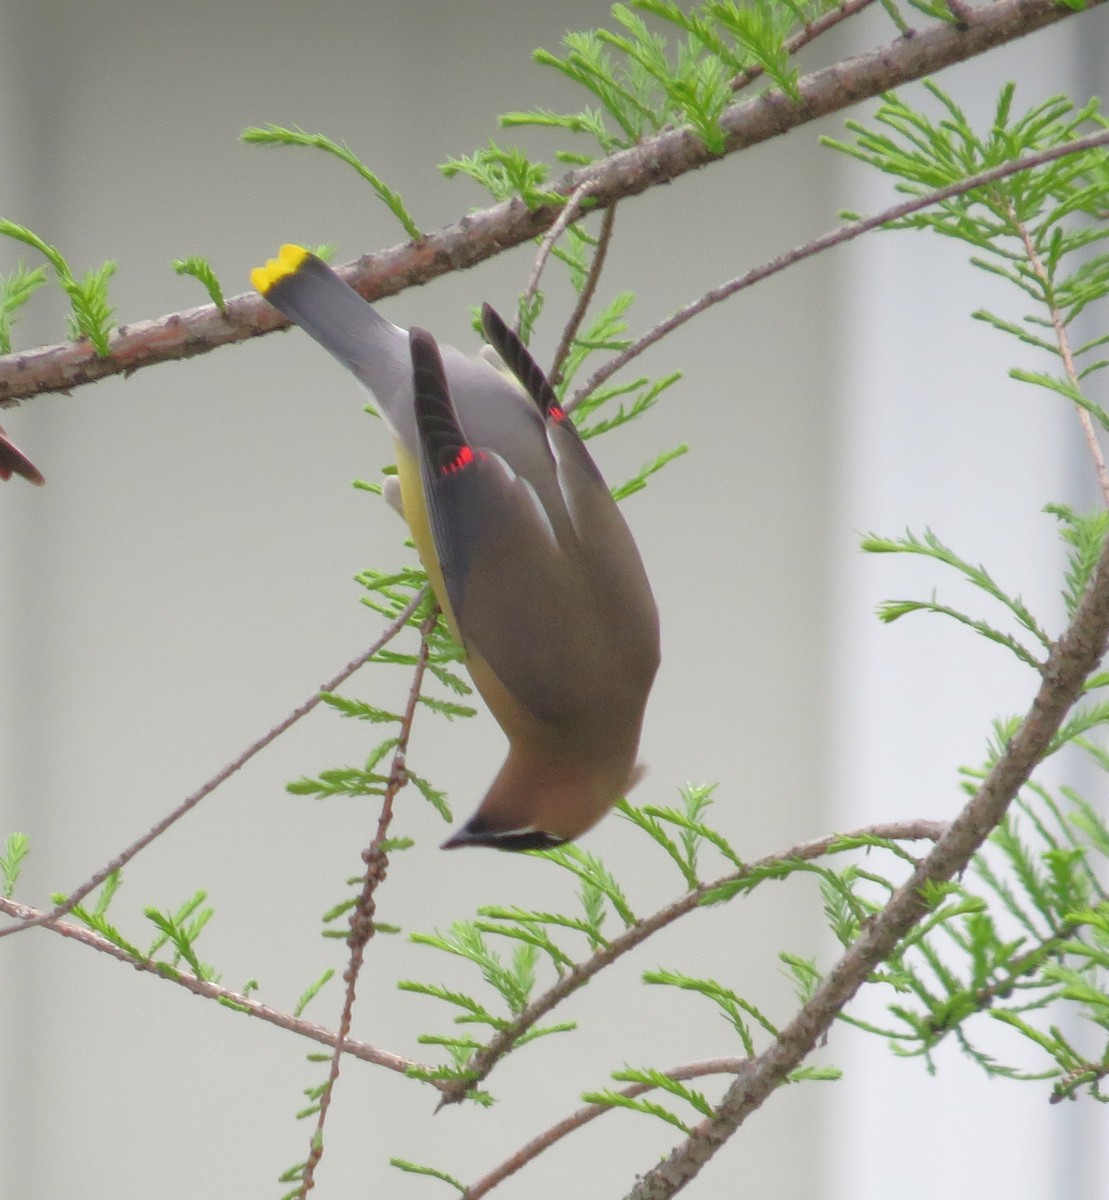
pixel 184 580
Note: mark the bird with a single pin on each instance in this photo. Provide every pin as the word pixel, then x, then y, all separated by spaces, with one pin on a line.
pixel 530 559
pixel 14 462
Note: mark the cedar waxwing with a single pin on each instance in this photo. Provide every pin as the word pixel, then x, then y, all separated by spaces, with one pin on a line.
pixel 529 557
pixel 14 462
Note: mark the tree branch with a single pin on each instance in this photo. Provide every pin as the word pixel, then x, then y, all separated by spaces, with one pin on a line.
pixel 485 1059
pixel 590 1112
pixel 656 160
pixel 1073 657
pixel 362 927
pixel 570 212
pixel 236 1001
pixel 28 916
pixel 1062 339
pixel 236 764
pixel 837 237
pixel 585 297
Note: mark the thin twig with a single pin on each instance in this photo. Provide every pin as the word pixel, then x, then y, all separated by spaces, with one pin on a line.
pixel 235 1001
pixel 1063 342
pixel 1074 656
pixel 570 212
pixel 834 237
pixel 590 1112
pixel 28 916
pixel 362 926
pixel 236 764
pixel 569 332
pixel 484 1060
pixel 1084 1073
pixel 481 235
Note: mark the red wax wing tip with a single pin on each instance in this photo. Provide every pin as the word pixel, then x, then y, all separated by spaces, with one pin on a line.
pixel 555 413
pixel 463 458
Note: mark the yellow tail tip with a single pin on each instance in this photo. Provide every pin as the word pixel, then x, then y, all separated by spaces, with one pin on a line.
pixel 287 262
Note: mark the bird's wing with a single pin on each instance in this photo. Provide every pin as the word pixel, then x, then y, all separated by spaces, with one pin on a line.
pixel 14 462
pixel 517 594
pixel 619 589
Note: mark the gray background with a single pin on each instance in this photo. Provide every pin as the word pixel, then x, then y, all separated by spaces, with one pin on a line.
pixel 182 583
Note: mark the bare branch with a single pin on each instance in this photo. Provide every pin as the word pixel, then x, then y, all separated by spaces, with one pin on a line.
pixel 206 789
pixel 570 212
pixel 482 235
pixel 362 926
pixel 573 323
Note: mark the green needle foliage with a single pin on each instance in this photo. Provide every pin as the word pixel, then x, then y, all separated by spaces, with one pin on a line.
pixel 1027 933
pixel 1029 936
pixel 177 931
pixel 199 268
pixel 504 172
pixel 15 290
pixel 643 84
pixel 1012 948
pixel 412 1168
pixel 1083 534
pixel 1022 940
pixel 1041 230
pixel 930 546
pixel 735 1010
pixel 90 312
pixel 277 135
pixel 652 1079
pixel 16 848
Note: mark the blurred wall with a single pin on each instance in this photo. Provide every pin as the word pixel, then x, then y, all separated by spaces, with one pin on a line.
pixel 183 581
pixel 935 435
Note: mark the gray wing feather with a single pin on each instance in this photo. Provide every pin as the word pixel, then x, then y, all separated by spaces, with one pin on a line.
pixel 518 594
